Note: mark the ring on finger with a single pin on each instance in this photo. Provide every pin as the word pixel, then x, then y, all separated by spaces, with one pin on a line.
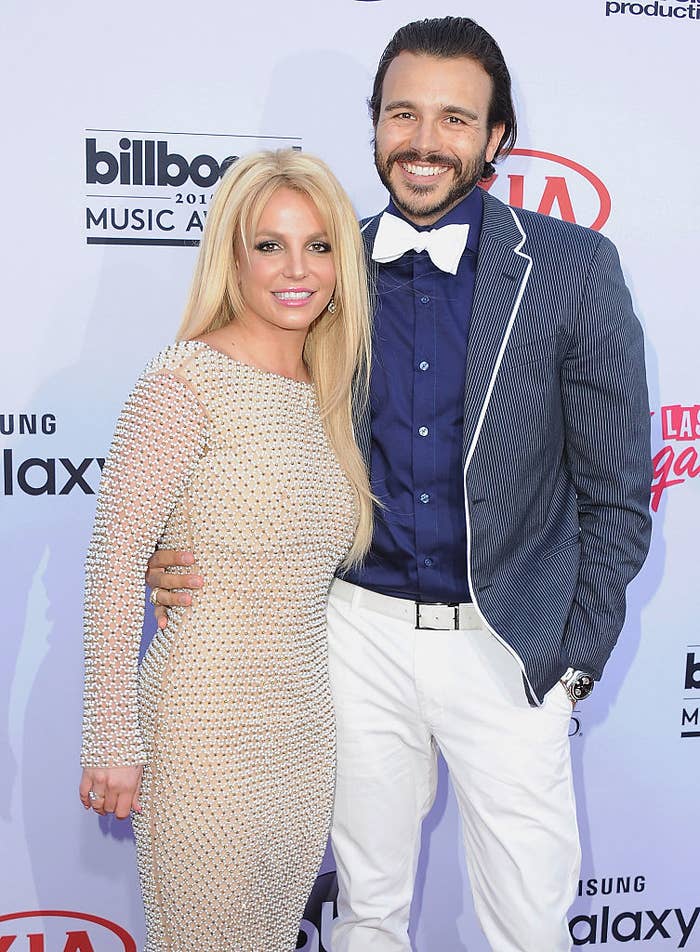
pixel 92 796
pixel 154 596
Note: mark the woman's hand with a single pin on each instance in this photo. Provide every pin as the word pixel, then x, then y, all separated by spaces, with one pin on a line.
pixel 161 581
pixel 116 790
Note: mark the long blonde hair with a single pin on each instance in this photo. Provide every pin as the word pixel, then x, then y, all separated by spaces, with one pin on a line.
pixel 338 346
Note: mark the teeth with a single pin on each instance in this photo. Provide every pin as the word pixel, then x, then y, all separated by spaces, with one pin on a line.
pixel 426 169
pixel 292 295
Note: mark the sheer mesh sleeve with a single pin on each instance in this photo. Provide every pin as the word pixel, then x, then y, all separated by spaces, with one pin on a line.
pixel 159 437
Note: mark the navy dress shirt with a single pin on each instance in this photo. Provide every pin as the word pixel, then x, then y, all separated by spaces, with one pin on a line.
pixel 419 547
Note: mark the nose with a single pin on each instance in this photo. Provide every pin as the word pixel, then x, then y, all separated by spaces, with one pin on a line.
pixel 295 263
pixel 425 137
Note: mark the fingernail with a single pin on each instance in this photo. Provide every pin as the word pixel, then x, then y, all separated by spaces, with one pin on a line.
pixel 187 558
pixel 198 581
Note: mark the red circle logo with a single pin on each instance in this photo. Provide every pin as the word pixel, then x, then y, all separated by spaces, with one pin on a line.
pixel 62 931
pixel 553 185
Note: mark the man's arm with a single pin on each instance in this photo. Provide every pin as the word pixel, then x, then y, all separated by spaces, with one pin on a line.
pixel 159 577
pixel 606 413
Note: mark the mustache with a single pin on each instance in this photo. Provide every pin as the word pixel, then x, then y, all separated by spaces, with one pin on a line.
pixel 412 156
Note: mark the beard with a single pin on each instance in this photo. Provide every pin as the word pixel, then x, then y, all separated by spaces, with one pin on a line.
pixel 416 205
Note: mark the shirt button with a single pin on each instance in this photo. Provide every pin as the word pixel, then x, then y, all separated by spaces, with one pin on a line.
pixel 427 562
pixel 423 365
pixel 423 430
pixel 425 299
pixel 425 497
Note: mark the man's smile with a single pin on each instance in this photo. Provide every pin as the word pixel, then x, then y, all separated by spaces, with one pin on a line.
pixel 423 171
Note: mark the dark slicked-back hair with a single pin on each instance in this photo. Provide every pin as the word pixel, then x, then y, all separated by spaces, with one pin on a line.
pixel 449 38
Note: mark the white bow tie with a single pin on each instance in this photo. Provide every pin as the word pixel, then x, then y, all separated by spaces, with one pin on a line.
pixel 444 245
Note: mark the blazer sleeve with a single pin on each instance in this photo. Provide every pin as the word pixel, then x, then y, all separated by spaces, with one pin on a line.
pixel 607 420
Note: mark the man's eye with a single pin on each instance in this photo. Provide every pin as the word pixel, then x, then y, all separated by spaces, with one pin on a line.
pixel 455 120
pixel 403 115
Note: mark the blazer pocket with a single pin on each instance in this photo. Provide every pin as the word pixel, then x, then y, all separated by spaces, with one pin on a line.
pixel 524 353
pixel 565 544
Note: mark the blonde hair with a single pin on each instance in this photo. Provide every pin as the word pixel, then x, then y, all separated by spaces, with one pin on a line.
pixel 337 347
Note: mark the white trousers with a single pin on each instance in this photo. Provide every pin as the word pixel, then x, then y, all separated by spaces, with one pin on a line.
pixel 400 692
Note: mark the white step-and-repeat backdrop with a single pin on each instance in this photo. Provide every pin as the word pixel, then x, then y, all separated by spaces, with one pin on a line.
pixel 118 120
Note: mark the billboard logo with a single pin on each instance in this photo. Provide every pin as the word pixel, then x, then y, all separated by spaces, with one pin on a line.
pixel 690 715
pixel 153 188
pixel 552 185
pixel 575 726
pixel 319 915
pixel 149 162
pixel 50 930
pixel 692 671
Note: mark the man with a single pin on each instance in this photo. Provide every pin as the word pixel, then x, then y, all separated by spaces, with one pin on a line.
pixel 508 441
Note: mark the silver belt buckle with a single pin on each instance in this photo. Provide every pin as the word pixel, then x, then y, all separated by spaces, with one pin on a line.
pixel 437 616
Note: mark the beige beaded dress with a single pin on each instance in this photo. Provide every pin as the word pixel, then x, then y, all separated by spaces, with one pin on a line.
pixel 230 709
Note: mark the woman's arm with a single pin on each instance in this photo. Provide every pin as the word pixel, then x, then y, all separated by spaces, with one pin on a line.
pixel 159 437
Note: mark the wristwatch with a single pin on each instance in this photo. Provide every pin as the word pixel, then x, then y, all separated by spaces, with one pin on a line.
pixel 578 684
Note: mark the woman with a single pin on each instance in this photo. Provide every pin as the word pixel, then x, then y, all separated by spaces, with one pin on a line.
pixel 237 444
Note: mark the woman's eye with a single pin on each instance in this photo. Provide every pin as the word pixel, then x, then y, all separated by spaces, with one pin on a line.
pixel 323 247
pixel 267 246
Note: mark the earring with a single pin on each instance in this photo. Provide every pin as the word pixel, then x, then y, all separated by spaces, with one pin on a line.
pixel 332 307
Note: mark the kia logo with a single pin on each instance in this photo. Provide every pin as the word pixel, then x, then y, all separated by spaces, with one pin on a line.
pixel 51 930
pixel 552 184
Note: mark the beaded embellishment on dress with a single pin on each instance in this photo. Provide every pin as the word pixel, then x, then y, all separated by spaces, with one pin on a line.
pixel 230 709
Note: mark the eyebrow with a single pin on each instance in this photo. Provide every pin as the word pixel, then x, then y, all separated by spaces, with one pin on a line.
pixel 456 110
pixel 317 236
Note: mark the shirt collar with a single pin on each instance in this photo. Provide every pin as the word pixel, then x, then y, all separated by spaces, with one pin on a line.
pixel 467 212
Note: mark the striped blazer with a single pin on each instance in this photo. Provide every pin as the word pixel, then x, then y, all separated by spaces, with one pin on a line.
pixel 556 453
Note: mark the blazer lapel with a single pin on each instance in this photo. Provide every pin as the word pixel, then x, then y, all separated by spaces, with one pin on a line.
pixel 502 273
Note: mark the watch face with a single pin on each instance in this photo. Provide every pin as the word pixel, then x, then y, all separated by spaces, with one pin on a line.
pixel 582 687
